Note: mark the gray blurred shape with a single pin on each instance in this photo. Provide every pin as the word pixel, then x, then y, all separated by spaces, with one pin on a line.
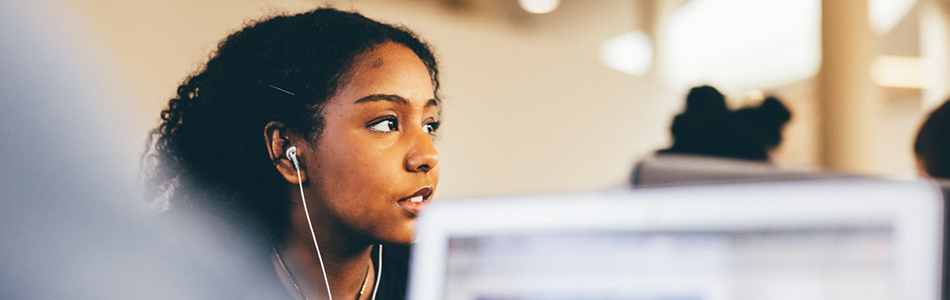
pixel 676 170
pixel 73 224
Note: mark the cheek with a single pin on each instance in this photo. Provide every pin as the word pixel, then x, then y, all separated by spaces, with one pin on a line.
pixel 356 175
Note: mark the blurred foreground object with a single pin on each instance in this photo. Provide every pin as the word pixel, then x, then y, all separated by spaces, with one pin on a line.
pixel 72 223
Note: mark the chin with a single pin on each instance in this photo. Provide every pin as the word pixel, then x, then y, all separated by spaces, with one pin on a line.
pixel 402 233
pixel 403 241
pixel 400 239
pixel 405 235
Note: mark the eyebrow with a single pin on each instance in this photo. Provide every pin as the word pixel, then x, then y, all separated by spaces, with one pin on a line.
pixel 394 99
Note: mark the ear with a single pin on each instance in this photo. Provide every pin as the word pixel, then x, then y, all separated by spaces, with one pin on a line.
pixel 278 141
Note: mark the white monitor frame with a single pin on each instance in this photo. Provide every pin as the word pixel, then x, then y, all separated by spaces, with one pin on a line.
pixel 914 210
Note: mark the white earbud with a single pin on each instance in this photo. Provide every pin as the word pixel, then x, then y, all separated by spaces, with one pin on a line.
pixel 292 156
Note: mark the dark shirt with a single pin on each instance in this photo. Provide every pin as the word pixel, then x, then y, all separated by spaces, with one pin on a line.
pixel 392 285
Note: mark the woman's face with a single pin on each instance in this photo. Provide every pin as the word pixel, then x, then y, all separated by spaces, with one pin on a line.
pixel 374 160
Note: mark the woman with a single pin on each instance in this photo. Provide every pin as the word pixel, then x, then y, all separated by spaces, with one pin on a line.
pixel 312 135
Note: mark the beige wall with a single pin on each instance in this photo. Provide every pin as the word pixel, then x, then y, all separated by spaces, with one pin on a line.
pixel 529 106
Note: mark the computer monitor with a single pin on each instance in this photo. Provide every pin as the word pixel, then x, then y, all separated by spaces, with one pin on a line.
pixel 680 169
pixel 821 239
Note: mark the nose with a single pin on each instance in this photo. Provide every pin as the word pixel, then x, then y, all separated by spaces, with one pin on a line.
pixel 422 157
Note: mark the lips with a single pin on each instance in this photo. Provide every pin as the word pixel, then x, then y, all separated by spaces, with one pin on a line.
pixel 415 202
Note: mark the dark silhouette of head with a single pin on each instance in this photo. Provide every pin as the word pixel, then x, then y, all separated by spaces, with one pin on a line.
pixel 758 130
pixel 708 127
pixel 696 130
pixel 932 146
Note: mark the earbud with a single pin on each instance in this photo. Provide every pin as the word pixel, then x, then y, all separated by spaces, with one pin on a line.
pixel 292 156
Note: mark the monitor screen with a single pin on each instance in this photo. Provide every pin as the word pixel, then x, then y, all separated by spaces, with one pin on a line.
pixel 847 238
pixel 806 263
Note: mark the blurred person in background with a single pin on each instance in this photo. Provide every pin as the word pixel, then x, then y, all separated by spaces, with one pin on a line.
pixel 708 127
pixel 932 145
pixel 932 153
pixel 758 129
pixel 308 139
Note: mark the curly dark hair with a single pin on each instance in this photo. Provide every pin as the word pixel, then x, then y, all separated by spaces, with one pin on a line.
pixel 209 152
pixel 708 127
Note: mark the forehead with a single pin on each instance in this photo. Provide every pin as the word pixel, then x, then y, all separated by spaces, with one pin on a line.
pixel 388 68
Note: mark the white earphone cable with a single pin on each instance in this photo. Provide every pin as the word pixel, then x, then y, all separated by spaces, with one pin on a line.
pixel 379 272
pixel 292 154
pixel 313 234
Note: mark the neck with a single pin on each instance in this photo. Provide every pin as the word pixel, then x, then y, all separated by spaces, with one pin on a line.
pixel 345 260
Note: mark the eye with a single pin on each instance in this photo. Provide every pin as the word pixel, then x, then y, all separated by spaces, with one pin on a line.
pixel 387 124
pixel 431 127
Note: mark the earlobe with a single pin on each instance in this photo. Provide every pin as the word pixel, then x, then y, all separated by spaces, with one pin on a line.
pixel 278 142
